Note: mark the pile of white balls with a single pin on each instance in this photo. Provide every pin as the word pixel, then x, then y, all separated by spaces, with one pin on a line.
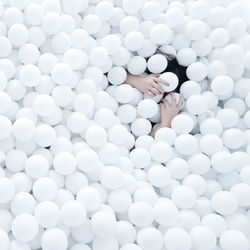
pixel 78 168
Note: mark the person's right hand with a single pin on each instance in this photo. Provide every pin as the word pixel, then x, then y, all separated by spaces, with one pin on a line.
pixel 149 84
pixel 170 110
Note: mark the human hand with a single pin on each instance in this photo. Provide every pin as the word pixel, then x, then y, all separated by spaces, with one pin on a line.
pixel 170 110
pixel 149 84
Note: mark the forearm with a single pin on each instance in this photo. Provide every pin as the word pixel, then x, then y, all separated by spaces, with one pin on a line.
pixel 131 79
pixel 157 127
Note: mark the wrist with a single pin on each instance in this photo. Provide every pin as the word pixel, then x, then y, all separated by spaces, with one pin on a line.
pixel 131 80
pixel 163 124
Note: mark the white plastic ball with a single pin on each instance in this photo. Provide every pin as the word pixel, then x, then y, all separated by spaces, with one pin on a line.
pixel 147 108
pixel 179 120
pixel 98 56
pixel 178 168
pixel 73 213
pixel 232 54
pixel 210 144
pixel 161 152
pixel 195 29
pixel 30 75
pixel 136 65
pixel 150 237
pixel 184 197
pixel 25 227
pixel 186 144
pixel 45 135
pixel 96 135
pixel 111 178
pixel 43 105
pixel 198 9
pixel 189 219
pixel 215 222
pixel 54 238
pixel 47 214
pixel 222 162
pixel 229 138
pixel 6 47
pixel 159 176
pixel 44 189
pixel 203 237
pixel 28 53
pixel 4 240
pixel 134 40
pixel 174 17
pixel 165 212
pixel 236 27
pixel 18 34
pixel 217 16
pixel 232 239
pixel 140 214
pixel 90 198
pixel 76 59
pixel 131 7
pixel 111 43
pixel 62 74
pixel 103 224
pixel 5 127
pixel 77 122
pixel 241 191
pixel 202 47
pixel 161 34
pixel 224 202
pixel 197 71
pixel 64 163
pixel 157 63
pixel 104 10
pixel 36 166
pixel 7 190
pixel 52 23
pixel 186 56
pixel 172 239
pixel 171 79
pixel 91 23
pixel 87 160
pixel 211 126
pixel 141 126
pixel 196 104
pixel 119 200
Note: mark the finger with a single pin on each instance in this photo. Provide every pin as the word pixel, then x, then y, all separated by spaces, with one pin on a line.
pixel 155 91
pixel 173 98
pixel 161 106
pixel 156 74
pixel 148 92
pixel 166 103
pixel 159 80
pixel 157 86
pixel 180 103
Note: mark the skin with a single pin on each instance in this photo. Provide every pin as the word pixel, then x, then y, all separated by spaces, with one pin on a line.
pixel 147 84
pixel 150 85
pixel 168 112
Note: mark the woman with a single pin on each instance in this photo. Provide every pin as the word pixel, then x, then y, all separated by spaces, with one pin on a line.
pixel 149 85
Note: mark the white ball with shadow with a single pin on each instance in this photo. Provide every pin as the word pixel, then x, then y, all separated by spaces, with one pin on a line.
pixel 157 63
pixel 179 120
pixel 197 71
pixel 147 108
pixel 171 79
pixel 196 104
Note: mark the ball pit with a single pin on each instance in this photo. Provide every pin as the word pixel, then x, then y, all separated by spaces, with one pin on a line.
pixel 83 163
